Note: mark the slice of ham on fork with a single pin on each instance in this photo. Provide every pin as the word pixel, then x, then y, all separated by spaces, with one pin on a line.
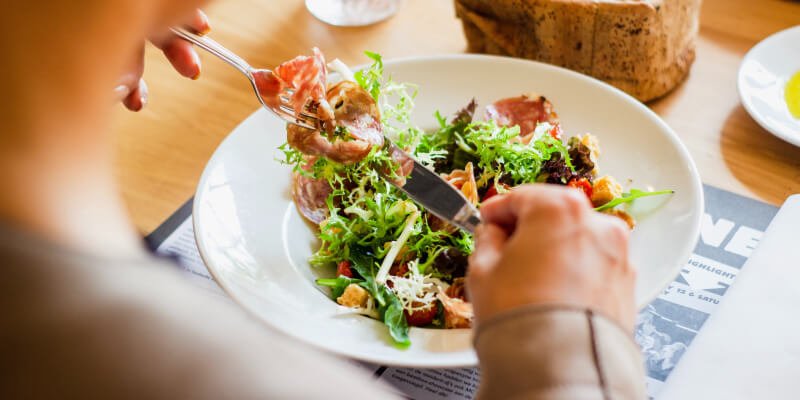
pixel 350 118
pixel 356 112
pixel 306 77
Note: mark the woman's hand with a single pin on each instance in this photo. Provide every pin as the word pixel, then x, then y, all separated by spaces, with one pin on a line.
pixel 543 244
pixel 132 90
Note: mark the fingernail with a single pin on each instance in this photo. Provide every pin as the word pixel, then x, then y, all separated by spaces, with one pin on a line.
pixel 143 92
pixel 204 22
pixel 121 92
pixel 199 66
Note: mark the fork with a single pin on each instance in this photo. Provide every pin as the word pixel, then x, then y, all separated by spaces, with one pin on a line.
pixel 284 110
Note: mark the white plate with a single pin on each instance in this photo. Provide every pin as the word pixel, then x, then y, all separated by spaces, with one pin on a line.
pixel 763 75
pixel 256 245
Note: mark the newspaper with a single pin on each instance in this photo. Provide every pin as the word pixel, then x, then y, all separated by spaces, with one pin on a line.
pixel 731 228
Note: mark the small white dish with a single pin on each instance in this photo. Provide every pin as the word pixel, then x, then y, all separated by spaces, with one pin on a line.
pixel 763 75
pixel 256 244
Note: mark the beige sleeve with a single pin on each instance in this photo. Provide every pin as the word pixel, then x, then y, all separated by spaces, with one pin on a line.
pixel 565 353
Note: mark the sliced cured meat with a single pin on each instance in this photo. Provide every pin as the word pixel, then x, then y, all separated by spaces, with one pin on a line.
pixel 457 289
pixel 464 180
pixel 526 111
pixel 457 312
pixel 309 195
pixel 315 143
pixel 358 125
pixel 355 109
pixel 306 77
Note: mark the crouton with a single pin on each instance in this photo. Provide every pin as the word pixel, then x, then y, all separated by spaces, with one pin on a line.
pixel 354 296
pixel 604 190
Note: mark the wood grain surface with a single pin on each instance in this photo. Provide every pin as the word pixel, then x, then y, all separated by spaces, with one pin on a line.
pixel 162 150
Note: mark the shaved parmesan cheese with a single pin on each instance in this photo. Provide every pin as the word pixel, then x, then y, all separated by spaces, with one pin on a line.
pixel 415 291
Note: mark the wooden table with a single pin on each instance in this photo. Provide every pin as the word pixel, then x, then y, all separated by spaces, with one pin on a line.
pixel 162 150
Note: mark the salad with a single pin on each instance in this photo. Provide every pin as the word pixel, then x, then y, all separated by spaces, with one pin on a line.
pixel 390 258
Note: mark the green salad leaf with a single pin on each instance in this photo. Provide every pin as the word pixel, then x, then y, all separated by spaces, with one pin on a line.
pixel 371 78
pixel 630 197
pixel 388 305
pixel 338 284
pixel 366 214
pixel 495 149
pixel 395 320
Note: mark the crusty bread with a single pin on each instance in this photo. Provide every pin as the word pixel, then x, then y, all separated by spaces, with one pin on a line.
pixel 644 47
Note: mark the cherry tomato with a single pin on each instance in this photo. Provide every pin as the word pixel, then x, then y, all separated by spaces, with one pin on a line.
pixel 422 317
pixel 556 131
pixel 582 184
pixel 398 269
pixel 343 269
pixel 492 191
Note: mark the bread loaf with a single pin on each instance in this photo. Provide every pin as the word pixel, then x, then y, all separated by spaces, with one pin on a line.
pixel 644 47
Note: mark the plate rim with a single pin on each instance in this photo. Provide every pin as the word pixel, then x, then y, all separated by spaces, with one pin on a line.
pixel 471 357
pixel 793 139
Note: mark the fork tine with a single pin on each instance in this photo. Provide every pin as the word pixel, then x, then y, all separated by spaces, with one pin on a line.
pixel 304 115
pixel 287 113
pixel 286 105
pixel 289 117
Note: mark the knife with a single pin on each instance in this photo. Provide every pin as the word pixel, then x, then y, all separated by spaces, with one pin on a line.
pixel 432 192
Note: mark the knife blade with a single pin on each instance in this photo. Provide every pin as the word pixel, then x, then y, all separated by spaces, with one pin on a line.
pixel 430 191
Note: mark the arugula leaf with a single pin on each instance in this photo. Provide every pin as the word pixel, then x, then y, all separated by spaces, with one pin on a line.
pixel 363 262
pixel 630 197
pixel 370 78
pixel 338 284
pixel 395 319
pixel 389 307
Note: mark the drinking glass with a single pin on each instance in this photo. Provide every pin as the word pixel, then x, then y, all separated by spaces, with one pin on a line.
pixel 352 12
